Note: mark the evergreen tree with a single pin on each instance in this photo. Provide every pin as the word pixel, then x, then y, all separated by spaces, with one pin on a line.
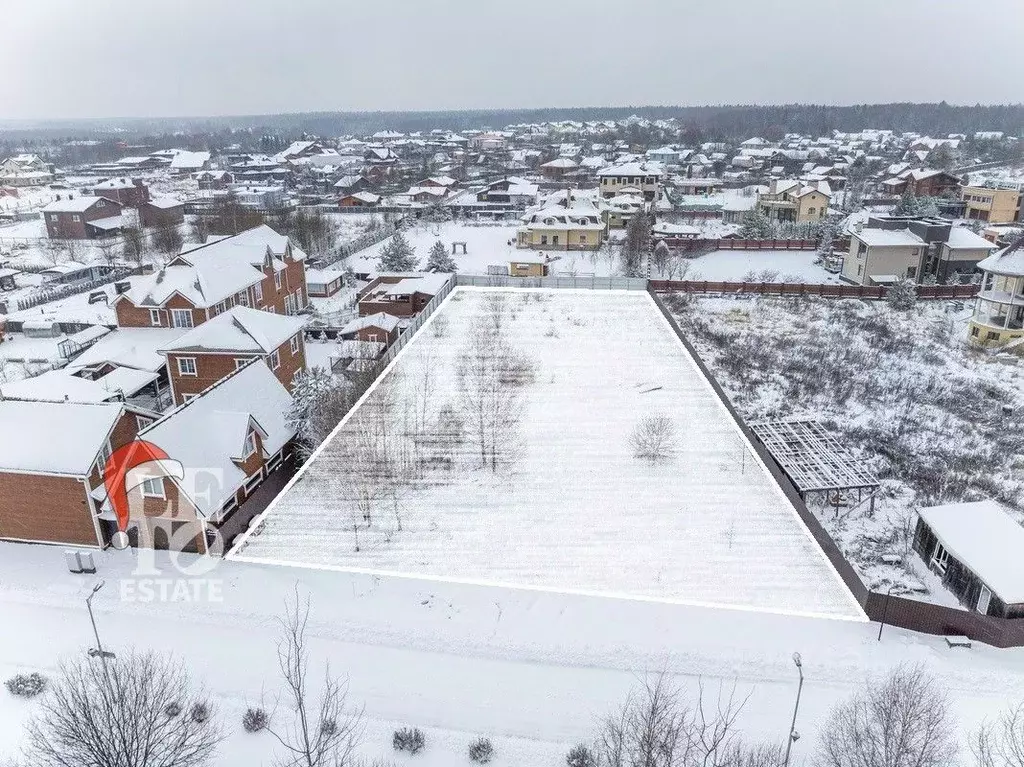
pixel 439 260
pixel 636 244
pixel 756 226
pixel 397 255
pixel 827 234
pixel 310 386
pixel 902 295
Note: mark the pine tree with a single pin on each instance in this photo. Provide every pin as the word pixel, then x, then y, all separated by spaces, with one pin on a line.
pixel 902 295
pixel 636 244
pixel 309 387
pixel 397 255
pixel 438 260
pixel 756 226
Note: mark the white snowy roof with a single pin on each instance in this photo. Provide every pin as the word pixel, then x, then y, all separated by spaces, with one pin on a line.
pixel 165 202
pixel 58 386
pixel 888 238
pixel 381 320
pixel 633 169
pixel 667 228
pixel 428 283
pixel 189 160
pixel 240 329
pixel 129 347
pixel 65 437
pixel 127 380
pixel 78 204
pixel 986 540
pixel 1009 261
pixel 560 162
pixel 962 238
pixel 209 431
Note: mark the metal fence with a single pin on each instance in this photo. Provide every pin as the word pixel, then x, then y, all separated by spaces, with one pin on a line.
pixel 583 283
pixel 823 290
pixel 55 294
pixel 414 326
pixel 362 242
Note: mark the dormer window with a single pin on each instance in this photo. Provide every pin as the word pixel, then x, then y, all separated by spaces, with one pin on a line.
pixel 250 445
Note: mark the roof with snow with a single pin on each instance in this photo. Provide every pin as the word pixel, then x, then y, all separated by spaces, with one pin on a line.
pixel 78 204
pixel 129 347
pixel 985 539
pixel 209 431
pixel 633 169
pixel 239 329
pixel 888 238
pixel 58 386
pixel 165 203
pixel 1008 261
pixel 189 160
pixel 382 320
pixel 962 238
pixel 66 437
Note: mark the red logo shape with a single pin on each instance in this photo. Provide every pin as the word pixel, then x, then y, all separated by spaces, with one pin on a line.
pixel 127 468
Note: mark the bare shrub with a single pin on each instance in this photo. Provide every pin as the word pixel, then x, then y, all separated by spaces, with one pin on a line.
pixel 439 326
pixel 481 751
pixel 581 755
pixel 900 721
pixel 1001 743
pixel 255 719
pixel 654 438
pixel 129 697
pixel 409 739
pixel 26 685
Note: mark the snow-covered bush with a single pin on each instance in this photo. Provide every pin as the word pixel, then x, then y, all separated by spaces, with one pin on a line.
pixel 653 438
pixel 481 751
pixel 901 295
pixel 255 719
pixel 408 739
pixel 580 756
pixel 26 685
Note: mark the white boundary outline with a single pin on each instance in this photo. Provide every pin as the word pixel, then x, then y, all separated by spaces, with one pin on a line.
pixel 860 616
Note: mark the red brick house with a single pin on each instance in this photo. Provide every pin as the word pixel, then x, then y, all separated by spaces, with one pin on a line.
pixel 213 350
pixel 258 268
pixel 400 294
pixel 162 211
pixel 51 481
pixel 228 440
pixel 82 218
pixel 377 328
pixel 215 179
pixel 324 283
pixel 129 192
pixel 359 200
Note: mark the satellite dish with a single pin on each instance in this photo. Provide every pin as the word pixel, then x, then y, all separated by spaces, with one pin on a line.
pixel 120 540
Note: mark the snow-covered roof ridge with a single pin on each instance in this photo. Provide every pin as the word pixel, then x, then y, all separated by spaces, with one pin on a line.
pixel 239 329
pixel 66 436
pixel 1008 261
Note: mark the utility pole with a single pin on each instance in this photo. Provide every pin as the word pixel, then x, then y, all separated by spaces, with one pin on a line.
pixel 794 736
pixel 98 649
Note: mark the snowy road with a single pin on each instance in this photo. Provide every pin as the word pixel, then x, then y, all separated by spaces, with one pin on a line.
pixel 532 670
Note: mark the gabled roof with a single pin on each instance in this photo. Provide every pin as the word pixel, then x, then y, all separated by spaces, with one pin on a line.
pixel 209 431
pixel 65 437
pixel 78 204
pixel 382 320
pixel 58 386
pixel 240 329
pixel 962 238
pixel 888 238
pixel 135 348
pixel 189 160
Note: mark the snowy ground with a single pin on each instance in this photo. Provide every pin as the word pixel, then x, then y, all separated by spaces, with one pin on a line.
pixel 902 387
pixel 757 266
pixel 533 671
pixel 350 226
pixel 575 510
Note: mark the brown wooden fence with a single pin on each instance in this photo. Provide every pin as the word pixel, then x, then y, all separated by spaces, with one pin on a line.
pixel 701 244
pixel 822 290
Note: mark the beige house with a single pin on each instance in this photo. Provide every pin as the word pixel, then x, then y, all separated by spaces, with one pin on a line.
pixel 794 202
pixel 558 227
pixel 880 256
pixel 646 176
pixel 999 312
pixel 994 204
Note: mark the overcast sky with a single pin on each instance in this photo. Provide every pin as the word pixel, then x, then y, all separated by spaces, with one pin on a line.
pixel 71 58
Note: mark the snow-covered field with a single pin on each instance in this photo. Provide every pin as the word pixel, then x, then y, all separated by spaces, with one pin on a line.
pixel 535 672
pixel 783 266
pixel 927 412
pixel 573 508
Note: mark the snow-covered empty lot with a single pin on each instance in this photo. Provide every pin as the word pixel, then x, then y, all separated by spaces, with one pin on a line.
pixel 572 507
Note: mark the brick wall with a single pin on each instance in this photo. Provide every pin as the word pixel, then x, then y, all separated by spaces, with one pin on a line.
pixel 131 316
pixel 44 508
pixel 211 368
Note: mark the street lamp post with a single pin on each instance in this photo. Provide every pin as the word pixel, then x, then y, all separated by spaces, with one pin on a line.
pixel 98 649
pixel 793 734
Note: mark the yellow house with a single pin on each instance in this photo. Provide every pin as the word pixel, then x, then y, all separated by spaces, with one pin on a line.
pixel 994 204
pixel 616 211
pixel 999 311
pixel 646 176
pixel 795 202
pixel 557 227
pixel 527 269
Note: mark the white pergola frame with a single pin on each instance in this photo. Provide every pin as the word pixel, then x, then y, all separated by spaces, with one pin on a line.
pixel 812 457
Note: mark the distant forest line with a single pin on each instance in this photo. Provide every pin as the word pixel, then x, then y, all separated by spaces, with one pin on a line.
pixel 726 122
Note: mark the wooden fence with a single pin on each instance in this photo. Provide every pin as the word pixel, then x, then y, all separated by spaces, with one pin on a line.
pixel 822 290
pixel 702 244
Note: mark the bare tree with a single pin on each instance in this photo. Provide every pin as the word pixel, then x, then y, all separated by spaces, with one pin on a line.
pixel 322 732
pixel 1001 743
pixel 900 721
pixel 654 438
pixel 167 238
pixel 133 243
pixel 137 711
pixel 491 408
pixel 658 727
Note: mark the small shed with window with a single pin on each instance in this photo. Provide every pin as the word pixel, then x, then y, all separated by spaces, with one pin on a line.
pixel 976 549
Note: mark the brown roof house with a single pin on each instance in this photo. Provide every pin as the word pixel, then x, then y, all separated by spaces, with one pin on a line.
pixel 162 211
pixel 923 182
pixel 82 218
pixel 51 481
pixel 212 351
pixel 374 328
pixel 129 192
pixel 229 441
pixel 400 294
pixel 258 268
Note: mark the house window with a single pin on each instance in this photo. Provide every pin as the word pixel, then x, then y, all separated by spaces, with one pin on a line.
pixel 243 298
pixel 258 292
pixel 940 558
pixel 275 360
pixel 105 452
pixel 76 218
pixel 974 331
pixel 277 280
pixel 250 445
pixel 251 483
pixel 153 488
pixel 188 397
pixel 583 238
pixel 992 336
pixel 271 309
pixel 181 318
pixel 154 317
pixel 289 305
pixel 295 344
pixel 141 422
pixel 187 366
pixel 911 271
pixel 810 211
pixel 860 269
pixel 239 361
